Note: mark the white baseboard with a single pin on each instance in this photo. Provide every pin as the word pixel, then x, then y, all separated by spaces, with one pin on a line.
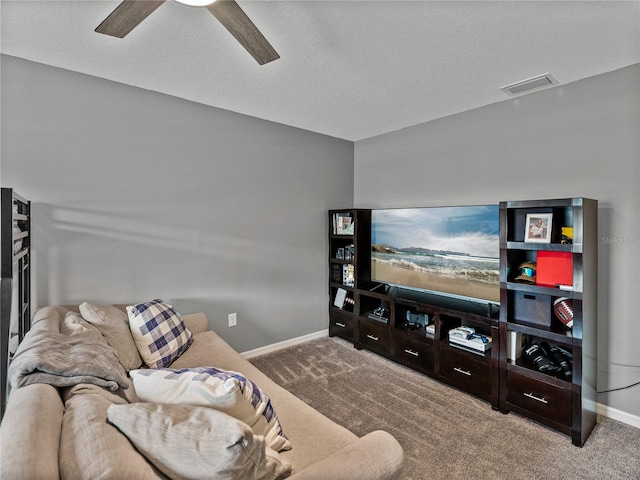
pixel 602 409
pixel 619 415
pixel 284 344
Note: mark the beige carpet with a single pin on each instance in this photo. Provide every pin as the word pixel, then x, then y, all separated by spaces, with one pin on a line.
pixel 444 433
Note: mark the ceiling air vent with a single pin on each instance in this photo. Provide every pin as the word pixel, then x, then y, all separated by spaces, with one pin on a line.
pixel 530 84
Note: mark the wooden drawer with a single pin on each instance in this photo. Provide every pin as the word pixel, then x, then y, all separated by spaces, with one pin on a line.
pixel 375 336
pixel 466 370
pixel 541 398
pixel 341 324
pixel 413 352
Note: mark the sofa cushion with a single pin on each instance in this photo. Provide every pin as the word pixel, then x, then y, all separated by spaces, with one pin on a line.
pixel 90 447
pixel 159 332
pixel 187 442
pixel 227 391
pixel 113 323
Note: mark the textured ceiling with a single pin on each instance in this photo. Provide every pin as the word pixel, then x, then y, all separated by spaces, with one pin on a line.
pixel 349 69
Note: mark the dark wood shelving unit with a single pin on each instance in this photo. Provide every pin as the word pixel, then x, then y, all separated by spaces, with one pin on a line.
pixel 427 353
pixel 566 406
pixel 507 384
pixel 431 354
pixel 342 319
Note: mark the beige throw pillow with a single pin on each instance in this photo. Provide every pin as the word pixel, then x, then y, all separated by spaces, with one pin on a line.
pixel 113 323
pixel 186 442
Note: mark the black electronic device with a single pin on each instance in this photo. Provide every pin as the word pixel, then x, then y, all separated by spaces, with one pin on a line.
pixel 380 314
pixel 425 248
pixel 411 326
pixel 421 319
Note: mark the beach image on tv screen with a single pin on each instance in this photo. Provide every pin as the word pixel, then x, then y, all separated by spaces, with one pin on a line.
pixel 452 250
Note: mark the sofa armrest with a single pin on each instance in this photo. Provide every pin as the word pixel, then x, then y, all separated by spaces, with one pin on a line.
pixel 30 433
pixel 376 456
pixel 196 322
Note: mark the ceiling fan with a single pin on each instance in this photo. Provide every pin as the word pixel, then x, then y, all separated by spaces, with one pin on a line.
pixel 130 13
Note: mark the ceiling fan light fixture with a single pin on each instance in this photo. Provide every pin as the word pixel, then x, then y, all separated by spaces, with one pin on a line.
pixel 130 13
pixel 196 3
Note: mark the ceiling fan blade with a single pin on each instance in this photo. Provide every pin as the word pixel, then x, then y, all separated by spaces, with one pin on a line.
pixel 127 16
pixel 229 13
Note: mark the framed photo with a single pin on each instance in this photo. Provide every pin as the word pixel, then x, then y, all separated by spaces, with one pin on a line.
pixel 538 228
pixel 343 224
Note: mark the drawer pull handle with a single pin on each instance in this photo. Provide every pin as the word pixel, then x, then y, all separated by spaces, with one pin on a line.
pixel 375 339
pixel 411 352
pixel 464 372
pixel 535 397
pixel 341 325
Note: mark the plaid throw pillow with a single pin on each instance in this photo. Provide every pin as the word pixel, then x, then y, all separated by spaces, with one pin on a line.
pixel 159 333
pixel 225 390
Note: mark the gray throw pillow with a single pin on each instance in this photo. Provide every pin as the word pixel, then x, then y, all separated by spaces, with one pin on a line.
pixel 186 442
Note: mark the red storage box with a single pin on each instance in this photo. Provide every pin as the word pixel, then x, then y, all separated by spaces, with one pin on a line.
pixel 554 268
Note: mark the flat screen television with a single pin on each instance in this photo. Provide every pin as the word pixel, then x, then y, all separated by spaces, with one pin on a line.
pixel 452 251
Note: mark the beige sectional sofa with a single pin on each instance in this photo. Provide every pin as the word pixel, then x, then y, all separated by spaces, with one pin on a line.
pixel 51 432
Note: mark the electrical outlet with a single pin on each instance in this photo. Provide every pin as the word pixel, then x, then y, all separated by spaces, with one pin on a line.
pixel 233 319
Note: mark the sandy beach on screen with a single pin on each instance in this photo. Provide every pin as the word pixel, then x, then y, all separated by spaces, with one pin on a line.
pixel 459 286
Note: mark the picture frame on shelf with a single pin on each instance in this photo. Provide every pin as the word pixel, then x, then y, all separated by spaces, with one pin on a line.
pixel 538 228
pixel 343 224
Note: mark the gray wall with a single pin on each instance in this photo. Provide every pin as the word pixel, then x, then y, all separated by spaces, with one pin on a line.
pixel 580 139
pixel 138 195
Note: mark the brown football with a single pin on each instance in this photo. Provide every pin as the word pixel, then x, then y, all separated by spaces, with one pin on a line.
pixel 563 309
